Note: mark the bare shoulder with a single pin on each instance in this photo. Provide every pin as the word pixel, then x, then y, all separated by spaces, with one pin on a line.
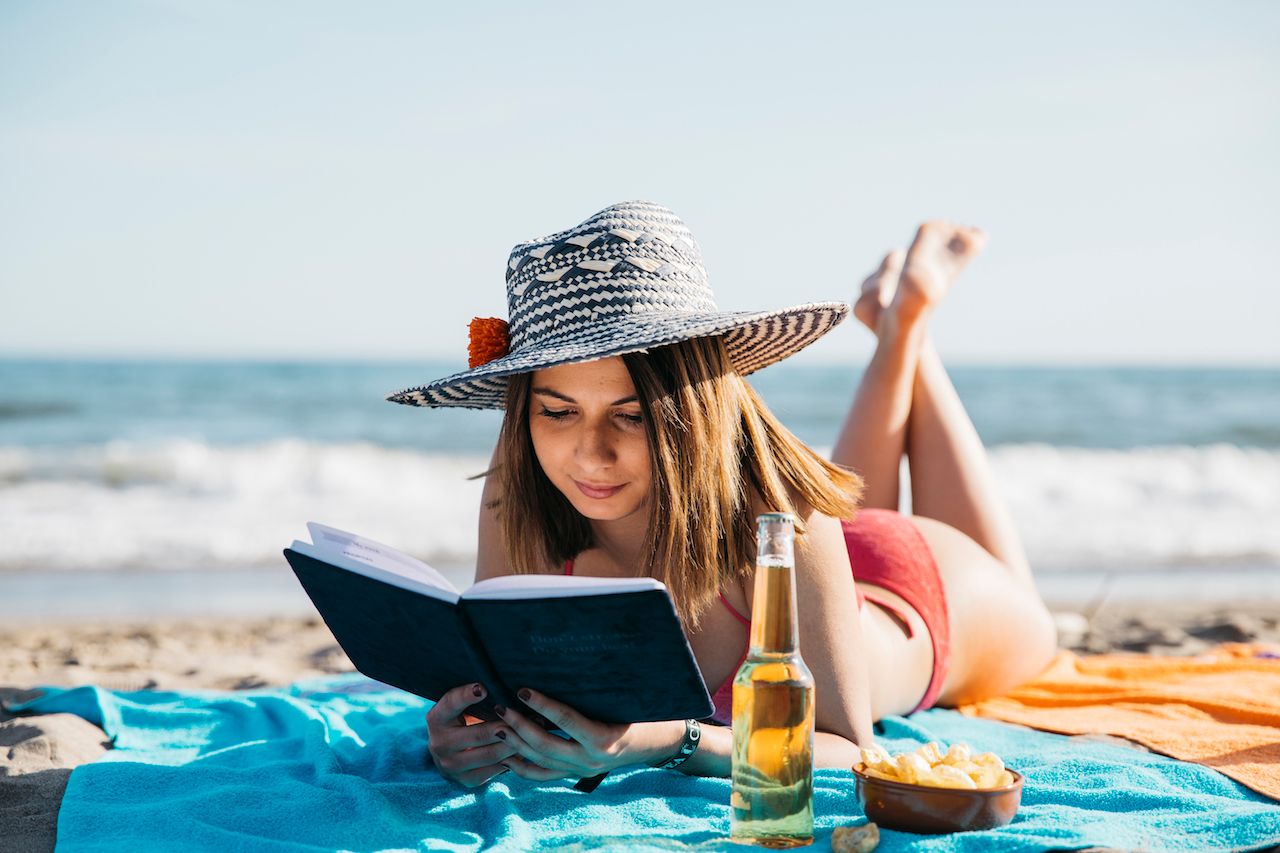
pixel 821 555
pixel 491 553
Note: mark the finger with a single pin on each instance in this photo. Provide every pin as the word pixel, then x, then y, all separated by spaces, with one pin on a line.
pixel 481 756
pixel 464 748
pixel 481 775
pixel 560 715
pixel 526 770
pixel 540 746
pixel 479 734
pixel 522 750
pixel 448 711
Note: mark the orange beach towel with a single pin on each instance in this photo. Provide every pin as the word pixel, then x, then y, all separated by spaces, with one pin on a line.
pixel 1220 709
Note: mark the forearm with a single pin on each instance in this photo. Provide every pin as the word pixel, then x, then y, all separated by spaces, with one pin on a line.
pixel 714 756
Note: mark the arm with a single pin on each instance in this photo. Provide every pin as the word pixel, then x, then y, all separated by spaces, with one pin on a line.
pixel 715 750
pixel 831 639
pixel 597 747
pixel 830 642
pixel 832 647
pixel 491 557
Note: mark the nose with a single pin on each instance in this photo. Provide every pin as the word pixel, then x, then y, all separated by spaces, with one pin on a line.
pixel 595 447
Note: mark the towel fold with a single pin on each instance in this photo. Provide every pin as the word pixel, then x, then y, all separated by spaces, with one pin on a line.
pixel 1220 709
pixel 339 764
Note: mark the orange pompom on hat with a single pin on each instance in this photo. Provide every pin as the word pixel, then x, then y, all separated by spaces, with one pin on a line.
pixel 488 339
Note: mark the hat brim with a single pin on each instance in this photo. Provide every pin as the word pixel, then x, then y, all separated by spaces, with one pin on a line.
pixel 754 340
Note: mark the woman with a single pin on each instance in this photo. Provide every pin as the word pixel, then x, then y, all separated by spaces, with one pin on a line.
pixel 631 445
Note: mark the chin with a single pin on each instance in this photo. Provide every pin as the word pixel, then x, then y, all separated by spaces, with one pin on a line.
pixel 601 511
pixel 606 510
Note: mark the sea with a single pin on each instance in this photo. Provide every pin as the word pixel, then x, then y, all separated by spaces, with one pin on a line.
pixel 145 487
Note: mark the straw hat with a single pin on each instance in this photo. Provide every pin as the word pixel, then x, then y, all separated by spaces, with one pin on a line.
pixel 627 279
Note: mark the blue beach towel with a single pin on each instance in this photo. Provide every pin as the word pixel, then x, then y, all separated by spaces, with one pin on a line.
pixel 338 764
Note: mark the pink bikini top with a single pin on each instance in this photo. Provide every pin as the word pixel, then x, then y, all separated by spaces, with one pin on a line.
pixel 723 697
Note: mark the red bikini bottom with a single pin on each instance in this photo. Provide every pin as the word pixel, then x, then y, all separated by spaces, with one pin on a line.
pixel 887 550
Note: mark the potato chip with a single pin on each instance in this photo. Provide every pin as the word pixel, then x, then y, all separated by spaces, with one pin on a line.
pixel 911 767
pixel 855 839
pixel 875 756
pixel 928 765
pixel 986 777
pixel 888 775
pixel 946 776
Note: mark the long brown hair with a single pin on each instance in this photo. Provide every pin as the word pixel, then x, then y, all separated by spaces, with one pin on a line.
pixel 713 447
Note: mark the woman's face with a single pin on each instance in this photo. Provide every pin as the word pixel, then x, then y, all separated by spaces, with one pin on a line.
pixel 589 436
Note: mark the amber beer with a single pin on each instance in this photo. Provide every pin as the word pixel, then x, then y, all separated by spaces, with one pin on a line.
pixel 772 799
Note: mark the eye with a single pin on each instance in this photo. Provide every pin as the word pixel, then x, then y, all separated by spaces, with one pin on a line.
pixel 555 414
pixel 630 418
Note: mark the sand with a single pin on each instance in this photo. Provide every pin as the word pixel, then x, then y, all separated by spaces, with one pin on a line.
pixel 37 753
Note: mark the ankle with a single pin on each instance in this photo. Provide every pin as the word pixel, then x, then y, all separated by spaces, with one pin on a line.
pixel 902 320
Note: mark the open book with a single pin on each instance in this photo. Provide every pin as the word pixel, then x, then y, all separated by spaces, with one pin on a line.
pixel 611 648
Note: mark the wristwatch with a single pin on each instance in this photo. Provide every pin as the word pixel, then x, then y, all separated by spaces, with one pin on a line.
pixel 688 746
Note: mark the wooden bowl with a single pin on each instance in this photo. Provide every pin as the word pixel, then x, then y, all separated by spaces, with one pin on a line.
pixel 919 808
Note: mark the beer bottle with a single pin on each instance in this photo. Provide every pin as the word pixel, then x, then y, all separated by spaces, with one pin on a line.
pixel 773 705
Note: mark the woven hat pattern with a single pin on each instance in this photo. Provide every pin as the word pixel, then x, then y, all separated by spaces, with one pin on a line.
pixel 626 279
pixel 626 259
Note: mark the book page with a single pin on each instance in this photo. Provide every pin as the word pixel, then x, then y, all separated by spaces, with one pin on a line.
pixel 331 540
pixel 341 560
pixel 555 586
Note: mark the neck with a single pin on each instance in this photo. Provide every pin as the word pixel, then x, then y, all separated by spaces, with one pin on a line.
pixel 621 541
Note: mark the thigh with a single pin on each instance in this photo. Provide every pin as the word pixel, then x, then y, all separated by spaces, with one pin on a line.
pixel 1001 632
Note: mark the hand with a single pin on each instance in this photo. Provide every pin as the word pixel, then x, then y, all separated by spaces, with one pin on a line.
pixel 592 748
pixel 468 754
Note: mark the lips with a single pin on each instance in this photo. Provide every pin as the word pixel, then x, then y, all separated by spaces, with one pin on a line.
pixel 598 492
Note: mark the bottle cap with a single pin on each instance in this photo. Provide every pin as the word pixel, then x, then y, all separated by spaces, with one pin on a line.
pixel 767 517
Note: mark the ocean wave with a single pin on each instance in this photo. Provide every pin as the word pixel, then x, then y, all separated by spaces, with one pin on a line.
pixel 1145 506
pixel 191 504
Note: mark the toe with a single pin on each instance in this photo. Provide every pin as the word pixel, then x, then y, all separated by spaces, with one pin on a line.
pixel 932 232
pixel 893 261
pixel 967 241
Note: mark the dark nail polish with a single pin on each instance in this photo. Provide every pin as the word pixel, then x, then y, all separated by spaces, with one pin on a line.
pixel 524 694
pixel 501 735
pixel 502 711
pixel 478 691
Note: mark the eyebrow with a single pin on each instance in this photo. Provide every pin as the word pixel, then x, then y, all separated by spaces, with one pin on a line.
pixel 550 393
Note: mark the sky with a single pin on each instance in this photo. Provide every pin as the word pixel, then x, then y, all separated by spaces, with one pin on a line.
pixel 323 180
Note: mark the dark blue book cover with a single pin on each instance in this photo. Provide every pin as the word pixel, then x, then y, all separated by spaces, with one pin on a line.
pixel 615 657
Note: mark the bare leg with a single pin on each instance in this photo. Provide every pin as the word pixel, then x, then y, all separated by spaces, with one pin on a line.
pixel 874 434
pixel 950 475
pixel 958 510
pixel 951 479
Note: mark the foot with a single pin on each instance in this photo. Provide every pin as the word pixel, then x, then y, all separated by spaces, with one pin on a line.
pixel 878 289
pixel 939 253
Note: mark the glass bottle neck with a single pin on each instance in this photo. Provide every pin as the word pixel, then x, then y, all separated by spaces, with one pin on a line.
pixel 774 626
